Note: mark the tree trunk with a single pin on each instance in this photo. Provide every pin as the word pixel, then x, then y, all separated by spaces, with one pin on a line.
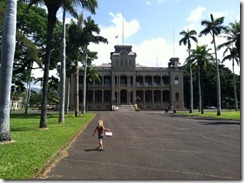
pixel 62 75
pixel 50 28
pixel 27 97
pixel 218 80
pixel 68 96
pixel 199 90
pixel 7 59
pixel 77 103
pixel 191 87
pixel 234 86
pixel 84 86
pixel 28 89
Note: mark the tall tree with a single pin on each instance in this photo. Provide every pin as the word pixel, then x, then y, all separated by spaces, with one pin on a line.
pixel 232 35
pixel 80 35
pixel 75 50
pixel 214 27
pixel 233 56
pixel 6 67
pixel 63 65
pixel 62 72
pixel 53 7
pixel 87 37
pixel 186 40
pixel 200 56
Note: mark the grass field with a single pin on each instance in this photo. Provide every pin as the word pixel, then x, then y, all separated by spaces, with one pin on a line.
pixel 232 115
pixel 32 147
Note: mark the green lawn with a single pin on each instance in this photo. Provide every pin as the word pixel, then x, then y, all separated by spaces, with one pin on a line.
pixel 232 115
pixel 31 147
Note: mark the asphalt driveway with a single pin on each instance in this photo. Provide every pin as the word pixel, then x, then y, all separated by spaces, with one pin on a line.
pixel 154 146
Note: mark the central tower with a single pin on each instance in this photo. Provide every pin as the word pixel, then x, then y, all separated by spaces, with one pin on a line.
pixel 123 58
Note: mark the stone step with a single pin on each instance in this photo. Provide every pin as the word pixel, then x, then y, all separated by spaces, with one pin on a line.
pixel 125 107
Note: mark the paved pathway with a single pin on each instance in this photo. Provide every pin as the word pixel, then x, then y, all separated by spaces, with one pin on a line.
pixel 154 146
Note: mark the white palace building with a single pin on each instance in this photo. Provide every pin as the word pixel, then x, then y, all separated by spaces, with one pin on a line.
pixel 124 82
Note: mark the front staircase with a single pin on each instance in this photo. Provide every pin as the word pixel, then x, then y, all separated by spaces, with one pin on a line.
pixel 127 108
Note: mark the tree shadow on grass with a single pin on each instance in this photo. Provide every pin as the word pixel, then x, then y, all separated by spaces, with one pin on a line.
pixel 24 116
pixel 220 123
pixel 18 129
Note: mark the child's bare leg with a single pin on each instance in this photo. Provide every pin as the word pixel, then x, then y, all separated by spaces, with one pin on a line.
pixel 101 144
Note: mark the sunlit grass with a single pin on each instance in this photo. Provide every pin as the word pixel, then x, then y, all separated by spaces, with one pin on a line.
pixel 232 115
pixel 32 147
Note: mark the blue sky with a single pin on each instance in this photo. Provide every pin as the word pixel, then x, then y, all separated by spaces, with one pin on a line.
pixel 152 27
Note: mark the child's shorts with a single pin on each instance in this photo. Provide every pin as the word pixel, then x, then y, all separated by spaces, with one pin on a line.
pixel 100 137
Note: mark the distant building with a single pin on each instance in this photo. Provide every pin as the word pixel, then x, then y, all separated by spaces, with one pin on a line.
pixel 124 82
pixel 16 103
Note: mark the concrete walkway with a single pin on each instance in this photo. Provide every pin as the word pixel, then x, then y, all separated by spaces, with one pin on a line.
pixel 154 146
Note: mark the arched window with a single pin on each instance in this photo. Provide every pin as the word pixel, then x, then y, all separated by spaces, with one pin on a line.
pixel 177 97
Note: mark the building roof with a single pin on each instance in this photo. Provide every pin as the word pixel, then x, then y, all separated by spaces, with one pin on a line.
pixel 109 65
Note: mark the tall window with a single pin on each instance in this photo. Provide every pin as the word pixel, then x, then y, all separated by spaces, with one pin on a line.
pixel 176 80
pixel 177 97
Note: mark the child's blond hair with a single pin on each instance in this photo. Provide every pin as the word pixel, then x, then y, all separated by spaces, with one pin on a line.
pixel 100 123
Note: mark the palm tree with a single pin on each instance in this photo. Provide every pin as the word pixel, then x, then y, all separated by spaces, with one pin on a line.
pixel 93 74
pixel 200 56
pixel 232 34
pixel 233 55
pixel 214 27
pixel 53 7
pixel 87 37
pixel 62 72
pixel 79 38
pixel 186 40
pixel 74 34
pixel 6 67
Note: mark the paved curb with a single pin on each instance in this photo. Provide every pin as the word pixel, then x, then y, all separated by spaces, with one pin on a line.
pixel 59 154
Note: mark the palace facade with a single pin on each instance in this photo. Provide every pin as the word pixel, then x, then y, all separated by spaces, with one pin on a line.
pixel 124 82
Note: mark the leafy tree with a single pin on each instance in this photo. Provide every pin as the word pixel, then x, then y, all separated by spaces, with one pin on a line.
pixel 53 7
pixel 35 99
pixel 186 40
pixel 214 27
pixel 75 50
pixel 79 39
pixel 200 56
pixel 233 56
pixel 6 68
pixel 232 34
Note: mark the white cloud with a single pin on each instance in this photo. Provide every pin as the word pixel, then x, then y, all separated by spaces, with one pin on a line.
pixel 157 52
pixel 150 2
pixel 196 14
pixel 131 27
pixel 121 25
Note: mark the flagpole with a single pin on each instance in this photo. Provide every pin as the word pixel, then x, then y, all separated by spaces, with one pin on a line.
pixel 122 27
pixel 173 42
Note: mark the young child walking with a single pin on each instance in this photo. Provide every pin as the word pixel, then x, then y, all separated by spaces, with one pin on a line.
pixel 100 131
